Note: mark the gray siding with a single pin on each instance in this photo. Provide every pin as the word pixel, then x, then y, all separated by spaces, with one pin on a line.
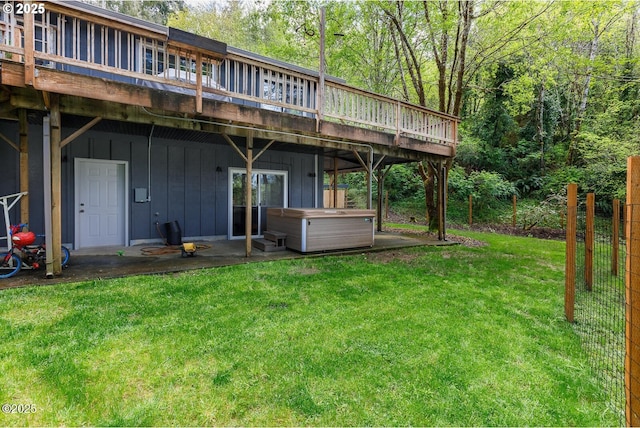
pixel 189 180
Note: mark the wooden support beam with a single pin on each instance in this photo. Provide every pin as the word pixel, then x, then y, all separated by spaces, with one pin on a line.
pixel 235 147
pixel 335 182
pixel 199 82
pixel 359 158
pixel 24 165
pixel 216 114
pixel 382 173
pixel 80 131
pixel 248 203
pixel 377 164
pixel 29 60
pixel 56 186
pixel 264 149
pixel 46 178
pixel 8 141
pixel 105 90
pixel 442 201
pixel 46 99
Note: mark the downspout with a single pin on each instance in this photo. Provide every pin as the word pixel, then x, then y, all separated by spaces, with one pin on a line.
pixel 370 183
pixel 315 181
pixel 149 163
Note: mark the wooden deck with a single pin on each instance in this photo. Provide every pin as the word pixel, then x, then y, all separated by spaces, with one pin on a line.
pixel 105 65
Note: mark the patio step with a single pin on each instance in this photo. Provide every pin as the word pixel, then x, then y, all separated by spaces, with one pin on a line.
pixel 278 238
pixel 266 245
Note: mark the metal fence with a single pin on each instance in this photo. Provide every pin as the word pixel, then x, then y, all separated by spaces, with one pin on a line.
pixel 599 311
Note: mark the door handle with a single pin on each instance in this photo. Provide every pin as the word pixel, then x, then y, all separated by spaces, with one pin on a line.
pixel 81 211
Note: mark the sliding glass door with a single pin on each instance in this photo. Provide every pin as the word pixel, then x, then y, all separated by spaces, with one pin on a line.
pixel 268 190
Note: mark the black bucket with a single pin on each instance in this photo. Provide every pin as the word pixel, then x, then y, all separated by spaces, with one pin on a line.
pixel 174 234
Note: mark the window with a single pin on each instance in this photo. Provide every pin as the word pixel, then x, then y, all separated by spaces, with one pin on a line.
pixel 153 54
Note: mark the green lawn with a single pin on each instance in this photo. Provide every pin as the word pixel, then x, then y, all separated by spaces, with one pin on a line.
pixel 433 336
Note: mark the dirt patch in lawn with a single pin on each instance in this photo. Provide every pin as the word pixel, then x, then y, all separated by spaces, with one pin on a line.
pixel 384 257
pixel 535 232
pixel 462 240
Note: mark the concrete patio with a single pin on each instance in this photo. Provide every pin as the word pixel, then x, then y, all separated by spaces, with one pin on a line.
pixel 113 262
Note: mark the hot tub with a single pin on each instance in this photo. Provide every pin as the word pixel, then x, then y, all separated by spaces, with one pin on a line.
pixel 321 229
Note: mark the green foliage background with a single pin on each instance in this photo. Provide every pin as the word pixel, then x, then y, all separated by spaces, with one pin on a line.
pixel 550 90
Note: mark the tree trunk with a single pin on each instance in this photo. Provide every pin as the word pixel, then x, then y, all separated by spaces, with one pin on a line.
pixel 466 9
pixel 593 50
pixel 540 126
pixel 428 181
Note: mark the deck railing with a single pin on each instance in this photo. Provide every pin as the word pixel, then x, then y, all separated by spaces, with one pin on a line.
pixel 101 45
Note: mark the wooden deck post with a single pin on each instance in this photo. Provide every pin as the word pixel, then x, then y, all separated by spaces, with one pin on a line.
pixel 29 59
pixel 24 164
pixel 46 175
pixel 632 356
pixel 380 202
pixel 56 186
pixel 335 182
pixel 589 240
pixel 442 201
pixel 386 204
pixel 570 257
pixel 198 82
pixel 470 210
pixel 615 241
pixel 515 210
pixel 248 203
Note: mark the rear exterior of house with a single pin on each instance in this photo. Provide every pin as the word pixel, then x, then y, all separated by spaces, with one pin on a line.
pixel 115 126
pixel 127 181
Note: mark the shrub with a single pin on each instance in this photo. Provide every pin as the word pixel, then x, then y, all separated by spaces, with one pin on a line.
pixel 485 186
pixel 547 213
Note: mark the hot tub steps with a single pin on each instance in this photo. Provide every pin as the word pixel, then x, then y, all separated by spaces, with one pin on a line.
pixel 278 238
pixel 272 241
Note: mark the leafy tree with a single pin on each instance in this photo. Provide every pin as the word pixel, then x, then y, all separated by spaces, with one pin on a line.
pixel 485 187
pixel 240 24
pixel 157 11
pixel 549 91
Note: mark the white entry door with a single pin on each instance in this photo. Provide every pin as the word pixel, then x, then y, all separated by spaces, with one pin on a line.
pixel 100 203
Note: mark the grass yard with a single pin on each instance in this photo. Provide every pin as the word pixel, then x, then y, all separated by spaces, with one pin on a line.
pixel 431 336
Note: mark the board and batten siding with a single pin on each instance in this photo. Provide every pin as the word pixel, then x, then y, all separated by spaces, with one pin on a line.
pixel 189 180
